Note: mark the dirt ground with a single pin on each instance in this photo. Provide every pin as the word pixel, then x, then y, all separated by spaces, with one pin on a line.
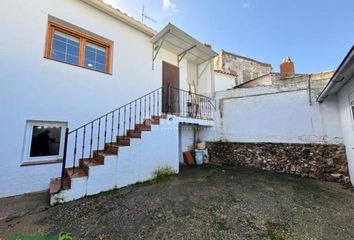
pixel 208 202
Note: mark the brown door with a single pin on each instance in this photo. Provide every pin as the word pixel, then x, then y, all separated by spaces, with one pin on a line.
pixel 170 84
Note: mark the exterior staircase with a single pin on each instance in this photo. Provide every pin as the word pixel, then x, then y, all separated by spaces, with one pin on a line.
pixel 121 163
pixel 127 145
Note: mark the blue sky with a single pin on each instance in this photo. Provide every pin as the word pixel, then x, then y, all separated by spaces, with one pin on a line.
pixel 316 34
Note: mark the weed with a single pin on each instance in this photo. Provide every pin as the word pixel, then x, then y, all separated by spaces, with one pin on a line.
pixel 163 172
pixel 58 199
pixel 276 231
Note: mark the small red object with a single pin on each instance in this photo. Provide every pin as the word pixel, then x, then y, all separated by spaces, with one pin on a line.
pixel 188 158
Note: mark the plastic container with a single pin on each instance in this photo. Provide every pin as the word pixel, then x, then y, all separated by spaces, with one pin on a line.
pixel 199 157
pixel 201 145
pixel 205 156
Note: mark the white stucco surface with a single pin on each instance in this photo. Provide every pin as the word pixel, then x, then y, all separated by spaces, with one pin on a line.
pixel 156 149
pixel 186 139
pixel 205 79
pixel 35 88
pixel 345 97
pixel 224 81
pixel 274 114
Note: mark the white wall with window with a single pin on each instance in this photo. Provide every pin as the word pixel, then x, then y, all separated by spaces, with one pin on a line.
pixel 44 142
pixel 346 111
pixel 60 85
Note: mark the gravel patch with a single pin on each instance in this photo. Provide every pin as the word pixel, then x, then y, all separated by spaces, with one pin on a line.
pixel 209 202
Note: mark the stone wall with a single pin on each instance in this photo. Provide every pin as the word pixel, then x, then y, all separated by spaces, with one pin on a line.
pixel 245 68
pixel 319 161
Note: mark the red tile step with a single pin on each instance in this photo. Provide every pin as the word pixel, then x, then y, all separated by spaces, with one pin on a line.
pixel 134 134
pixel 142 127
pixel 111 148
pixel 86 163
pixel 155 120
pixel 75 172
pixel 123 141
pixel 55 185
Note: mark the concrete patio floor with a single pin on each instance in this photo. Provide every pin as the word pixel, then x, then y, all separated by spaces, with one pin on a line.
pixel 208 202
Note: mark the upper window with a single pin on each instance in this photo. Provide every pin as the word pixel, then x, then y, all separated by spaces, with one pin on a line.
pixel 73 47
pixel 65 48
pixel 95 57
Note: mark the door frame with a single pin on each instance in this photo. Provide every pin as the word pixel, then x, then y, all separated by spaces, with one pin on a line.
pixel 170 96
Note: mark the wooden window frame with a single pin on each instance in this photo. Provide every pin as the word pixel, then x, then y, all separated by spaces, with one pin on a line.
pixel 83 38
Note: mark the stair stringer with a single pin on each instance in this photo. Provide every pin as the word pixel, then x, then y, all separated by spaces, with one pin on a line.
pixel 102 177
pixel 132 164
pixel 77 190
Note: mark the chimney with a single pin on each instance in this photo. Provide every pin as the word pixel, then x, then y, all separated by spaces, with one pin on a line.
pixel 207 45
pixel 287 68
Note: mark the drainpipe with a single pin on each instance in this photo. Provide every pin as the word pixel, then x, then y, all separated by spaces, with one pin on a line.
pixel 309 89
pixel 212 78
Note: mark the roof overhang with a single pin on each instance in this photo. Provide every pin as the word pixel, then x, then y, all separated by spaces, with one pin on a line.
pixel 116 13
pixel 343 74
pixel 183 45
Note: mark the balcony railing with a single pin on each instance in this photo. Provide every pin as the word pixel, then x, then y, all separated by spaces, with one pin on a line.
pixel 187 104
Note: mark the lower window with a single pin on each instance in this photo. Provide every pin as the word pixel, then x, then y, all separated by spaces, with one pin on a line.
pixel 44 141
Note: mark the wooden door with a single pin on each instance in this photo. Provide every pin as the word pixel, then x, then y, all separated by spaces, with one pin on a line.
pixel 170 96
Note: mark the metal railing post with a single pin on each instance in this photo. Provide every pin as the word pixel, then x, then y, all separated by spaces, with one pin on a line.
pixel 64 159
pixel 169 110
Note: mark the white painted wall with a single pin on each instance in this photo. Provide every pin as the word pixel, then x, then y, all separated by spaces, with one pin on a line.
pixel 345 97
pixel 274 114
pixel 156 149
pixel 192 74
pixel 205 81
pixel 224 81
pixel 186 138
pixel 35 88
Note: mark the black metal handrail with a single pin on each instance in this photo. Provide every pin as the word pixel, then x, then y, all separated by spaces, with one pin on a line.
pixel 116 109
pixel 188 104
pixel 113 126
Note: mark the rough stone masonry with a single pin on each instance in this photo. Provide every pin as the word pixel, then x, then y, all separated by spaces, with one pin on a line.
pixel 319 161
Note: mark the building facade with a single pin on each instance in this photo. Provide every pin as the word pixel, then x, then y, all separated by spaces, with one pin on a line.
pixel 340 89
pixel 260 123
pixel 74 61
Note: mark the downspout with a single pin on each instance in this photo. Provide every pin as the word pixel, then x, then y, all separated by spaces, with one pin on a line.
pixel 309 89
pixel 212 78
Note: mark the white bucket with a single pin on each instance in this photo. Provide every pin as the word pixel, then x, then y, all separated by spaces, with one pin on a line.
pixel 199 157
pixel 201 145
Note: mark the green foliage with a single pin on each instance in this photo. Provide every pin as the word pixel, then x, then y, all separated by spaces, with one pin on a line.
pixel 163 172
pixel 276 231
pixel 58 199
pixel 27 237
pixel 62 236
